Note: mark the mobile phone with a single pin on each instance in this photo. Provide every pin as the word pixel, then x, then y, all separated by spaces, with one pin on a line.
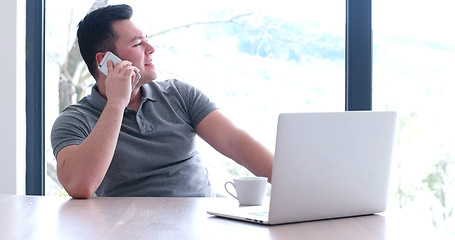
pixel 110 56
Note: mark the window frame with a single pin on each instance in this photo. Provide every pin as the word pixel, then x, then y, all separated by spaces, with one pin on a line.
pixel 358 56
pixel 35 167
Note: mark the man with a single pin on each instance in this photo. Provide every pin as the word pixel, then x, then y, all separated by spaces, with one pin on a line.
pixel 120 141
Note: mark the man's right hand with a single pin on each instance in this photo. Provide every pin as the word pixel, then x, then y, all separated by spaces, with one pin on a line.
pixel 118 82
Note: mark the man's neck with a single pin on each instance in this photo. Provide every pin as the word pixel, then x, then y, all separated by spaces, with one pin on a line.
pixel 136 99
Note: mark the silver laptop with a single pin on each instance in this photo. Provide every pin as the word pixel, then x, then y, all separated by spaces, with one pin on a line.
pixel 327 165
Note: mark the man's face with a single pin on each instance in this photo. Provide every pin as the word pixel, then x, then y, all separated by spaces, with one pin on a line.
pixel 131 45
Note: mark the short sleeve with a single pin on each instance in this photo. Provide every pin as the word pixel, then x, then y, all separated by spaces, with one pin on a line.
pixel 70 128
pixel 198 104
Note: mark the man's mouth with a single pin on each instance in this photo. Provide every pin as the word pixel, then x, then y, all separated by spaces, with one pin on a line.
pixel 148 61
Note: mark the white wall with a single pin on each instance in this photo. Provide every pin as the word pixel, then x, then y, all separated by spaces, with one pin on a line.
pixel 12 97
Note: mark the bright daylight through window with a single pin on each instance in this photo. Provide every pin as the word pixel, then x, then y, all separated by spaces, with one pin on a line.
pixel 414 74
pixel 253 59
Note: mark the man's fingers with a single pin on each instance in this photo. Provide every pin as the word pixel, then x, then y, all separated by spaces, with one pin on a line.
pixel 110 66
pixel 125 69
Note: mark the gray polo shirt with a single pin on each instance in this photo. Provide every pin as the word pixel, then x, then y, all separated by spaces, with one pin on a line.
pixel 155 153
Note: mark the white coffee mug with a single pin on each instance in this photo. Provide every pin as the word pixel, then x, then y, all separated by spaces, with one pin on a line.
pixel 250 190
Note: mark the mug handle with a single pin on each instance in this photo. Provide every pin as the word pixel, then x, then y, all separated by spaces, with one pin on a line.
pixel 225 187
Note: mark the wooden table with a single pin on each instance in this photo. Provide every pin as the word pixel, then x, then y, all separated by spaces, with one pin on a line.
pixel 38 217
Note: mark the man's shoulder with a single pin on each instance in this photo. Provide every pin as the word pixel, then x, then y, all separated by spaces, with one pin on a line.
pixel 81 104
pixel 82 108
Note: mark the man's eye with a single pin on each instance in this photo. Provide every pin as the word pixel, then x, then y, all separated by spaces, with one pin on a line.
pixel 137 44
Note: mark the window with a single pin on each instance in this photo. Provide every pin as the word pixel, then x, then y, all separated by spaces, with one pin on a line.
pixel 414 73
pixel 254 59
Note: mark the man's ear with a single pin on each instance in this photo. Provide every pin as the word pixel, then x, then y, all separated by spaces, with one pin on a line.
pixel 99 56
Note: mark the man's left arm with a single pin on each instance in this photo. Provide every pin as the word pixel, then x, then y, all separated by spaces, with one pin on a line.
pixel 217 130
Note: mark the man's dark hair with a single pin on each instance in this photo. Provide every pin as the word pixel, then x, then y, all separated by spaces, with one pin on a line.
pixel 95 33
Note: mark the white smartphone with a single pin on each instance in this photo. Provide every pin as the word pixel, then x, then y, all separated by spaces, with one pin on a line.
pixel 110 56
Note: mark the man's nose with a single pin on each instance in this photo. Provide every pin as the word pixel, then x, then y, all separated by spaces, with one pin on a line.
pixel 150 49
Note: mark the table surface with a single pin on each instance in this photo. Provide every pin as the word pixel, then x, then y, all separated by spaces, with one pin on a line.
pixel 39 217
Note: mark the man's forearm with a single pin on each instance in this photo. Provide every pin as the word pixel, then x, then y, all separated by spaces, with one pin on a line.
pixel 81 168
pixel 253 155
pixel 236 144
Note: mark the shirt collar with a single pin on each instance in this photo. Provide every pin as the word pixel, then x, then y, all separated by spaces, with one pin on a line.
pixel 147 91
pixel 98 101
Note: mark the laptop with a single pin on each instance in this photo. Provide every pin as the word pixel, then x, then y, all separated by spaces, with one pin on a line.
pixel 327 165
